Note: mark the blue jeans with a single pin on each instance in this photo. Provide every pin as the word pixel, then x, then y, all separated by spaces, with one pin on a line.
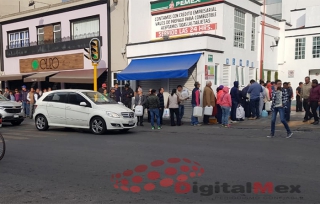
pixel 254 105
pixel 25 107
pixel 181 111
pixel 225 115
pixel 282 118
pixel 234 110
pixel 154 113
pixel 194 120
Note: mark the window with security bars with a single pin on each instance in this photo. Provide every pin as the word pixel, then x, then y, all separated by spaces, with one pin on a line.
pixel 253 34
pixel 18 39
pixel 239 28
pixel 316 47
pixel 300 51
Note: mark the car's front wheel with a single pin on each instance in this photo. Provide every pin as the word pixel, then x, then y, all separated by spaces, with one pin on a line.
pixel 42 123
pixel 98 126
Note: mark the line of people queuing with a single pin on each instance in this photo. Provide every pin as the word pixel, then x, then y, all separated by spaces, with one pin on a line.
pixel 25 97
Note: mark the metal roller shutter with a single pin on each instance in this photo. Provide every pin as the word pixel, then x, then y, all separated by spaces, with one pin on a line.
pixel 149 84
pixel 186 83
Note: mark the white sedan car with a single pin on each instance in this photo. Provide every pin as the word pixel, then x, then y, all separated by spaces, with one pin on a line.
pixel 82 109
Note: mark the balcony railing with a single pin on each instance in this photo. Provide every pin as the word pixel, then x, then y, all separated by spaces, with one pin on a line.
pixel 57 40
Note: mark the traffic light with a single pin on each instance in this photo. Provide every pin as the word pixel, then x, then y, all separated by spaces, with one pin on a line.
pixel 93 53
pixel 95 50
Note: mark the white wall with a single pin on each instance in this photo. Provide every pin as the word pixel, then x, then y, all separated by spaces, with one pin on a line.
pixel 288 5
pixel 298 18
pixel 313 16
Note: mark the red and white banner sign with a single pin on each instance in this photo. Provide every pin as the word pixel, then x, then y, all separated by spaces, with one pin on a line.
pixel 187 30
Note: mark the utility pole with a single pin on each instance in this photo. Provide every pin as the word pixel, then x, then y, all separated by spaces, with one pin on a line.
pixel 109 44
pixel 262 39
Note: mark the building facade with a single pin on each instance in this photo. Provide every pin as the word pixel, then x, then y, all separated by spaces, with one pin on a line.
pixel 224 34
pixel 44 47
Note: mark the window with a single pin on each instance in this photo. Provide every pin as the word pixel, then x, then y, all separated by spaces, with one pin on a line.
pixel 239 28
pixel 57 33
pixel 40 36
pixel 316 47
pixel 19 39
pixel 59 97
pixel 253 34
pixel 76 99
pixel 85 28
pixel 300 48
pixel 98 98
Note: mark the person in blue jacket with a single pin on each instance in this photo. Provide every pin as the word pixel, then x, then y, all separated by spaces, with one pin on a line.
pixel 254 90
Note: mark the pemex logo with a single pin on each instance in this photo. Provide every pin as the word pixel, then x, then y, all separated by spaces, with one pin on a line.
pixel 172 173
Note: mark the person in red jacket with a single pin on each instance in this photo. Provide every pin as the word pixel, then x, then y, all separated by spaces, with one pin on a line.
pixel 225 103
pixel 314 100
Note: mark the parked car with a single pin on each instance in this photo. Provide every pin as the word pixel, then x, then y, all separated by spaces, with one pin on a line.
pixel 82 109
pixel 11 111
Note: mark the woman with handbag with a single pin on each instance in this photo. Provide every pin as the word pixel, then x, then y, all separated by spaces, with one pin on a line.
pixel 173 105
pixel 139 103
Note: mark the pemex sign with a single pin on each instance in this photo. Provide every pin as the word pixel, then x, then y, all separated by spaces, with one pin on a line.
pixel 170 5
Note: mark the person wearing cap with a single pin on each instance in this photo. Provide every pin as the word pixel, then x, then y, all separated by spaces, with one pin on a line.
pixel 24 100
pixel 195 102
pixel 113 94
pixel 127 95
pixel 6 93
pixel 102 88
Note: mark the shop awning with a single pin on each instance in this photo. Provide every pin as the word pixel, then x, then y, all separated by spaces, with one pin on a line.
pixel 14 77
pixel 39 76
pixel 159 67
pixel 84 76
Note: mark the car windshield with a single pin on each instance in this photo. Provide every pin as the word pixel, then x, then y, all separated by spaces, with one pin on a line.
pixel 2 98
pixel 99 98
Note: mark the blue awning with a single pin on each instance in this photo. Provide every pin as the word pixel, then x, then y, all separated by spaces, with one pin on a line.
pixel 159 67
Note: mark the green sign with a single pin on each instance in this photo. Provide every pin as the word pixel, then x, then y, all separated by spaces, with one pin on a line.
pixel 210 58
pixel 35 64
pixel 172 4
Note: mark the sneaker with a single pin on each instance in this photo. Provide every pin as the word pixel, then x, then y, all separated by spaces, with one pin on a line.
pixel 252 118
pixel 198 124
pixel 159 128
pixel 233 121
pixel 289 135
pixel 270 136
pixel 316 123
pixel 305 120
pixel 152 128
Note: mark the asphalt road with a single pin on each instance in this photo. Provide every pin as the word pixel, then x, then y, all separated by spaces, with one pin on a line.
pixel 70 166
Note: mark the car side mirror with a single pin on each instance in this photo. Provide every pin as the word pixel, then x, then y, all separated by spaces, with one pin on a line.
pixel 83 104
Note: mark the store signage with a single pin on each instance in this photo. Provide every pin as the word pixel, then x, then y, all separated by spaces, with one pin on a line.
pixel 209 72
pixel 195 21
pixel 227 61
pixel 169 5
pixel 52 63
pixel 210 58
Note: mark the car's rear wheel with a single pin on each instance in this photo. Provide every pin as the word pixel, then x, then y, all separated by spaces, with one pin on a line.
pixel 98 126
pixel 15 123
pixel 42 123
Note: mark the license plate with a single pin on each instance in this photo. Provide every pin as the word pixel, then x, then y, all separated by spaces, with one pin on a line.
pixel 131 122
pixel 16 116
